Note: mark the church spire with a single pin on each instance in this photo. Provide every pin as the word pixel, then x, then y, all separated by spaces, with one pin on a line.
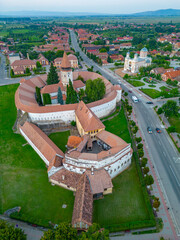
pixel 65 64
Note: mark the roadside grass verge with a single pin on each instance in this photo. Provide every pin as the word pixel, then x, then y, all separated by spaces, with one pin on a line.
pixel 175 121
pixel 128 207
pixel 24 181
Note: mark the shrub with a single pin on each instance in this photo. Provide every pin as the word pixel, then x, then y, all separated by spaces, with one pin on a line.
pixel 144 162
pixel 135 129
pixel 125 94
pixel 38 95
pixel 148 180
pixel 145 170
pixel 141 152
pixel 171 129
pixel 159 111
pixel 46 99
pixel 73 123
pixel 138 139
pixel 140 145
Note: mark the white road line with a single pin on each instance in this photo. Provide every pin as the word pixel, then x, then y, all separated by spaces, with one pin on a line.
pixel 159 142
pixel 174 176
pixel 164 153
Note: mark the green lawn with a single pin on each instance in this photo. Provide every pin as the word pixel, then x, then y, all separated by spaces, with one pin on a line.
pixel 127 203
pixel 60 139
pixel 151 85
pixel 23 175
pixel 136 83
pixel 163 88
pixel 175 121
pixel 153 93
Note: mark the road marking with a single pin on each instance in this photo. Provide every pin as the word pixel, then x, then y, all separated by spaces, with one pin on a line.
pixel 176 159
pixel 159 142
pixel 174 176
pixel 164 153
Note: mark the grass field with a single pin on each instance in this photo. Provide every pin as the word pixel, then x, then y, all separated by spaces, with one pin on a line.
pixel 60 139
pixel 127 203
pixel 23 175
pixel 153 93
pixel 163 88
pixel 136 83
pixel 175 121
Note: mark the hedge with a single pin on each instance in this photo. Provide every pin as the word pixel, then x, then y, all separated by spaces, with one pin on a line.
pixel 46 98
pixel 38 95
pixel 21 75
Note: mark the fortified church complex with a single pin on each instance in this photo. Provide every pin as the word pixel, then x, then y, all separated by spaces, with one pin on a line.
pixel 93 157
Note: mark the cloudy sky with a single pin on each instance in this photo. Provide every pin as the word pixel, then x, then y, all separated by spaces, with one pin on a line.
pixel 97 6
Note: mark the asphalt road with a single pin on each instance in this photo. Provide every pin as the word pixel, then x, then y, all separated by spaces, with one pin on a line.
pixel 163 154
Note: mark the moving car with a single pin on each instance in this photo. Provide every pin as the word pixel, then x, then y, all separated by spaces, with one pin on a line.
pixel 149 102
pixel 129 91
pixel 149 130
pixel 158 130
pixel 135 99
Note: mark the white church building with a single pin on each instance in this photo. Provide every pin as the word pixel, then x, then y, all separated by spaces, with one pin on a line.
pixel 133 64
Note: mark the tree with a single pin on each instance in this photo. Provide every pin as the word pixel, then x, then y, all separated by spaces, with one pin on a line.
pixel 8 231
pixel 140 145
pixel 95 89
pixel 140 152
pixel 148 180
pixel 156 203
pixel 126 76
pixel 144 162
pixel 38 95
pixel 159 111
pixel 71 94
pixel 64 231
pixel 38 65
pixel 109 60
pixel 170 108
pixel 52 75
pixel 102 50
pixel 27 70
pixel 94 233
pixel 145 170
pixel 171 129
pixel 138 139
pixel 59 96
pixel 81 93
pixel 46 98
pixel 12 73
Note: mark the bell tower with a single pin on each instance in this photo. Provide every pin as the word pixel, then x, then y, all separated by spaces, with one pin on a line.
pixel 66 71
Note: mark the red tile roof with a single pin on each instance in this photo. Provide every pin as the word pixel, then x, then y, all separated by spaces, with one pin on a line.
pixel 78 84
pixel 65 61
pixel 88 120
pixel 83 204
pixel 43 143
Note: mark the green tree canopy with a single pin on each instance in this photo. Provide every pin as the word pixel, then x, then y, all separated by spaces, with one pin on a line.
pixel 71 94
pixel 52 75
pixel 170 108
pixel 59 96
pixel 95 89
pixel 64 231
pixel 95 233
pixel 8 231
pixel 38 65
pixel 27 70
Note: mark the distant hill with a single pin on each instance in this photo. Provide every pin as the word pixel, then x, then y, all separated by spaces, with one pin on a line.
pixel 161 12
pixel 45 14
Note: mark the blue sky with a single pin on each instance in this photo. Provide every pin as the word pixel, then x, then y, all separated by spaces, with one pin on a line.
pixel 97 6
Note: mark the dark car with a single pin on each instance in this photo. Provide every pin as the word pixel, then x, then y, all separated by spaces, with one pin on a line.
pixel 129 91
pixel 158 130
pixel 149 130
pixel 149 102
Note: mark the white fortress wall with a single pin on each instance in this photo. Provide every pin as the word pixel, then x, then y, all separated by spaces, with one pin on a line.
pixel 64 116
pixel 105 109
pixel 35 148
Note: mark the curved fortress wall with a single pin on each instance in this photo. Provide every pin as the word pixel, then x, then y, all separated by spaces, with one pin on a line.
pixel 51 114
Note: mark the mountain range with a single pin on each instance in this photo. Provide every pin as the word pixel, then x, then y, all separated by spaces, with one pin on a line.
pixel 161 12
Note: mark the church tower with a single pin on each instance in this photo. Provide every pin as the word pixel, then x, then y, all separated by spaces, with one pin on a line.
pixel 66 71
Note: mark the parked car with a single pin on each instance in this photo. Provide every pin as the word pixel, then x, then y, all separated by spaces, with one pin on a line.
pixel 158 130
pixel 149 102
pixel 149 130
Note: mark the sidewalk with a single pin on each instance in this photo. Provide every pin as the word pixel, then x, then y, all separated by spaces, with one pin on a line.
pixel 32 233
